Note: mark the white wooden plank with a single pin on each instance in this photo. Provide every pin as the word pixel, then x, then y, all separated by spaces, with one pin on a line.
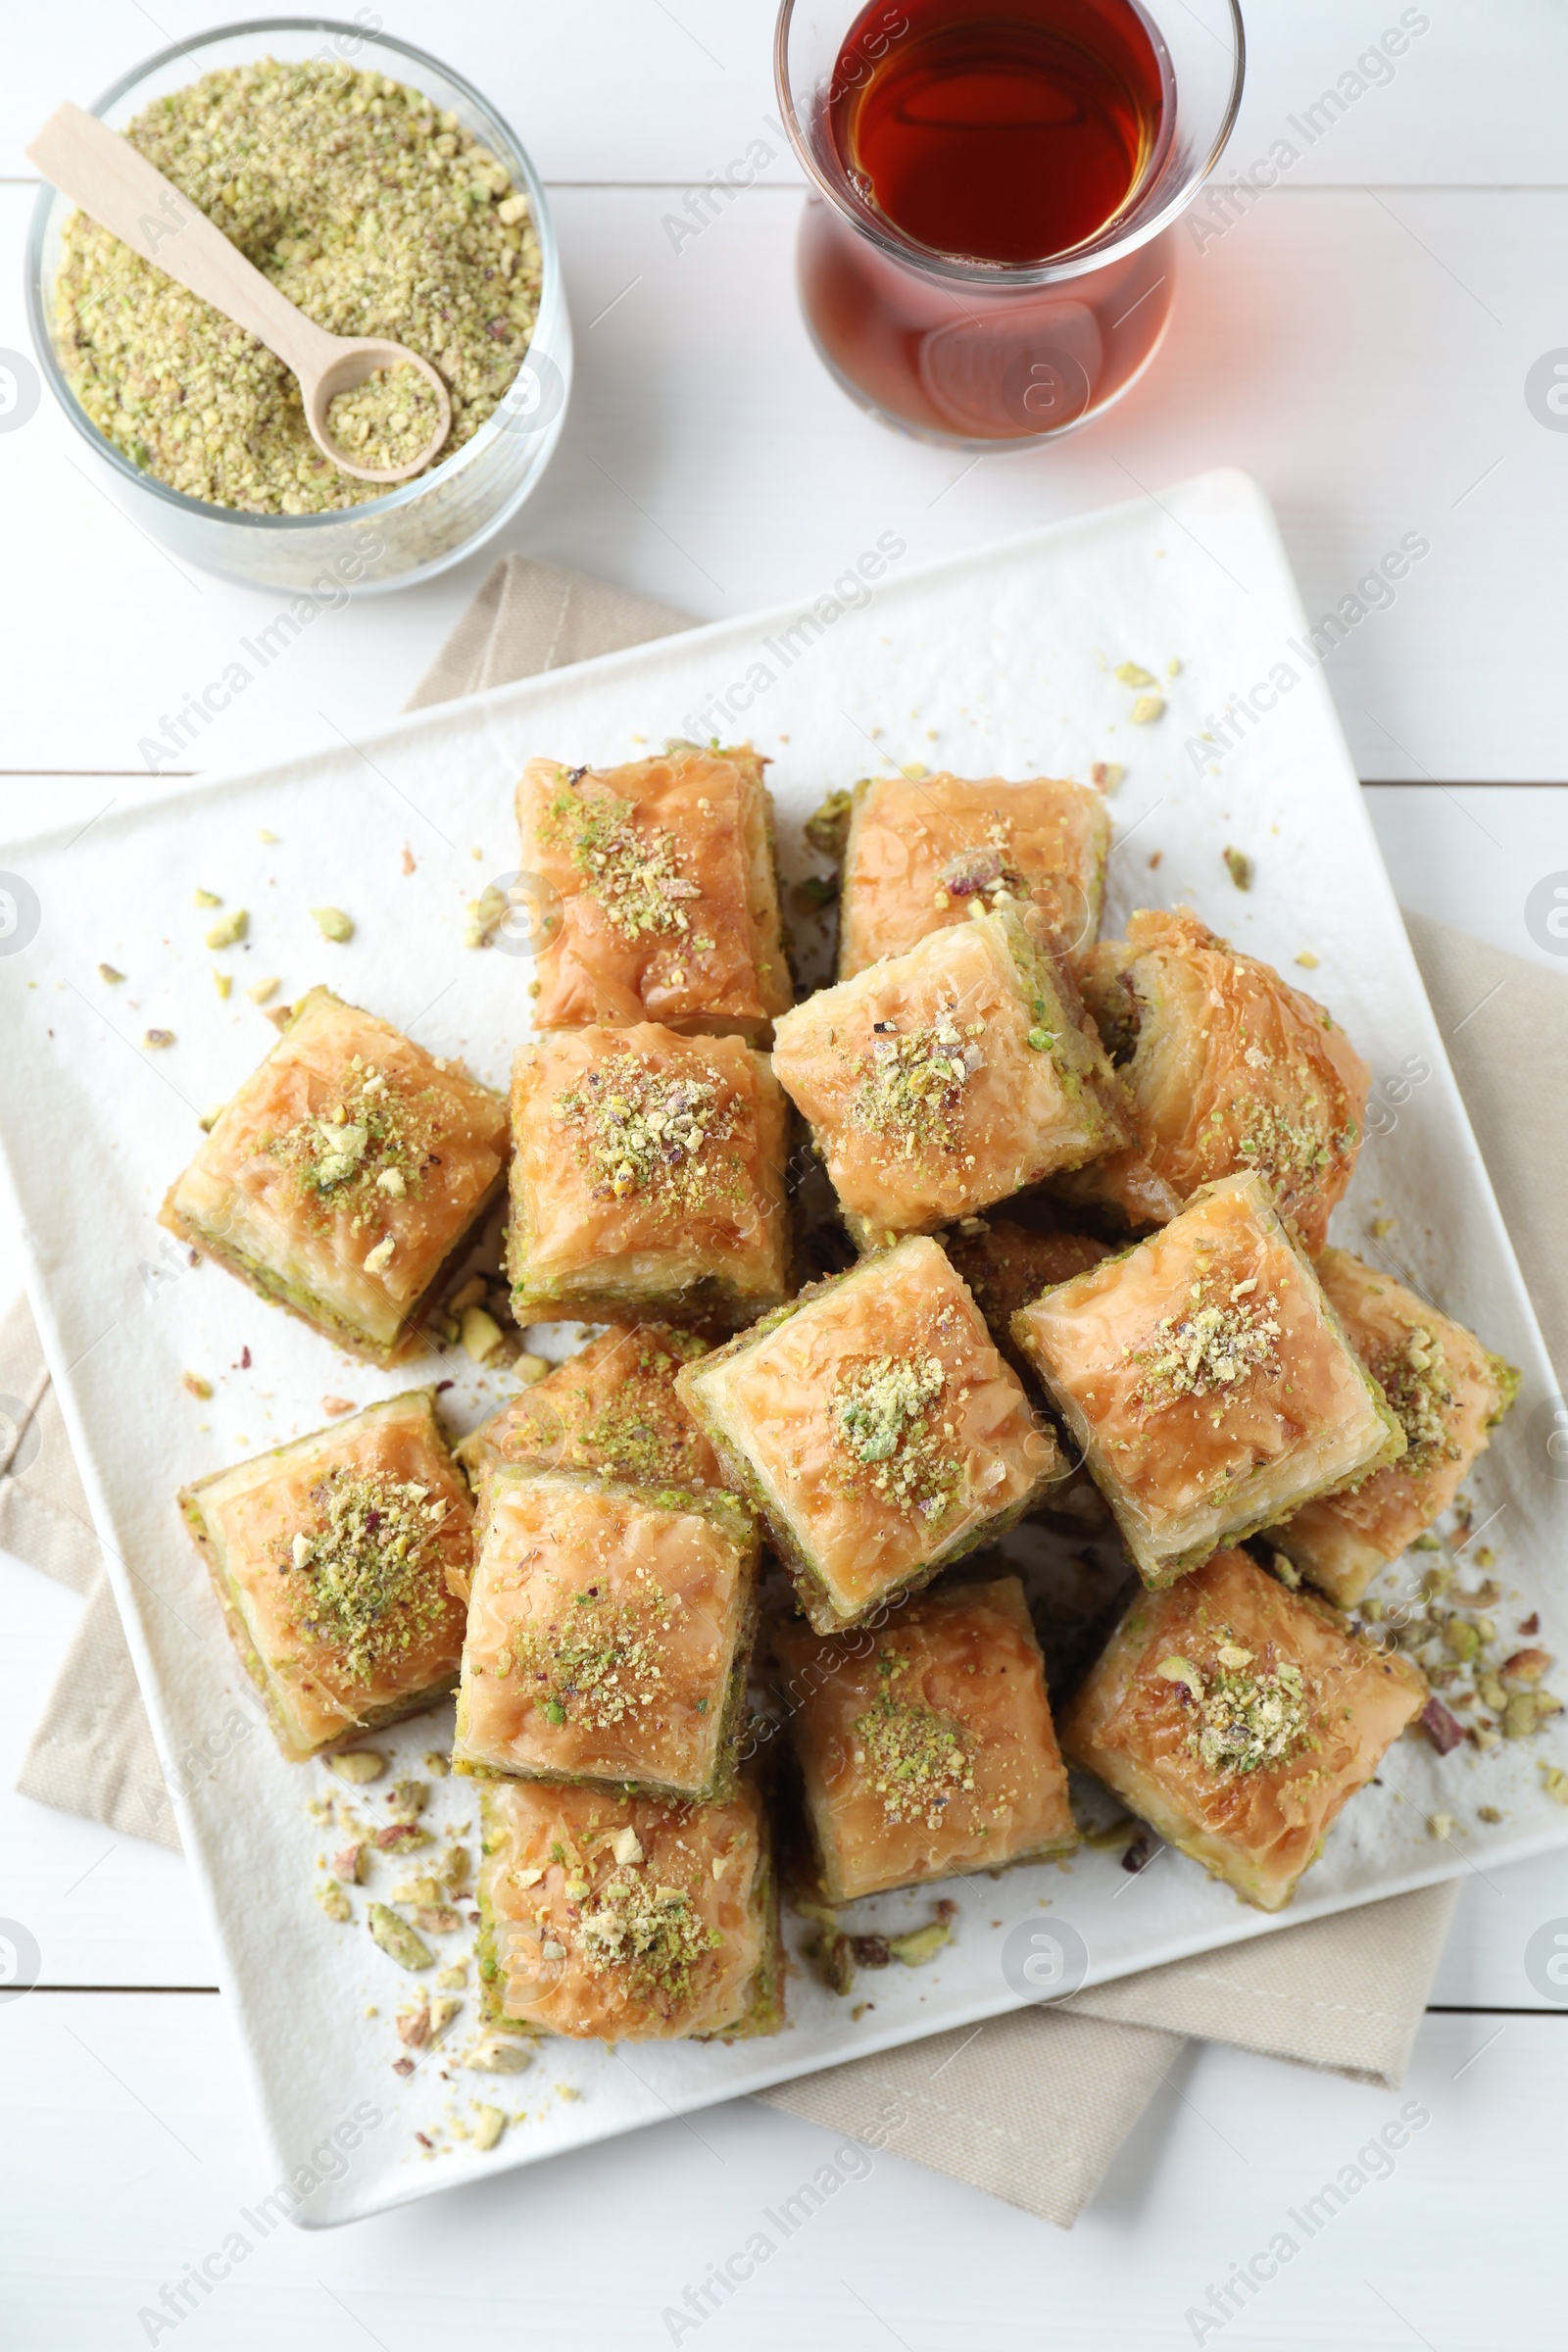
pixel 127 2108
pixel 1323 343
pixel 1471 856
pixel 635 89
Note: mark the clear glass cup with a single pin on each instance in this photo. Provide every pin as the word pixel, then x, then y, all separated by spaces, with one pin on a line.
pixel 423 526
pixel 984 354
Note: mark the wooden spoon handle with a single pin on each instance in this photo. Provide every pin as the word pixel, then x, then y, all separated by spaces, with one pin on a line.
pixel 105 175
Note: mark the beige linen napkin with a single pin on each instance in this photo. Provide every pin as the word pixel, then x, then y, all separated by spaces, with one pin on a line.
pixel 1031 2106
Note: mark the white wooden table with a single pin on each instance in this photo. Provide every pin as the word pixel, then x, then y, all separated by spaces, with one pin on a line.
pixel 1360 341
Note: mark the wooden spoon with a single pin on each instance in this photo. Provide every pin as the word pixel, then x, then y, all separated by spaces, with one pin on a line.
pixel 105 175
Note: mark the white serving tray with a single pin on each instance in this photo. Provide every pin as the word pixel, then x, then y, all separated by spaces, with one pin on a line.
pixel 1001 660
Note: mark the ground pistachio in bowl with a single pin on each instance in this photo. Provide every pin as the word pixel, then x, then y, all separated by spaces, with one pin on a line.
pixel 370 210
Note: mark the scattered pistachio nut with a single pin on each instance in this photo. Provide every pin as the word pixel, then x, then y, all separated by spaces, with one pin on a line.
pixel 398 1939
pixel 482 1334
pixel 1147 708
pixel 108 974
pixel 921 1943
pixel 332 924
pixel 437 1918
pixel 530 1368
pixel 1133 673
pixel 453 1979
pixel 194 1385
pixel 1240 868
pixel 210 1118
pixel 334 1902
pixel 357 1765
pixel 437 1765
pixel 497 2054
pixel 1307 960
pixel 224 983
pixel 206 897
pixel 1105 775
pixel 1441 1825
pixel 229 930
pixel 263 991
pixel 488 2125
pixel 377 1260
pixel 158 1039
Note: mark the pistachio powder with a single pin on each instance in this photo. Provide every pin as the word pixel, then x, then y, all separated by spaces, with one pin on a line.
pixel 373 211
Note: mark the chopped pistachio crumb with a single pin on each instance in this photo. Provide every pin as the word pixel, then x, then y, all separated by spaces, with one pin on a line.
pixel 920 1945
pixel 210 1118
pixel 224 983
pixel 334 1902
pixel 654 1933
pixel 1414 1380
pixel 265 837
pixel 205 897
pixel 1211 1351
pixel 602 1663
pixel 386 421
pixel 195 1385
pixel 489 2123
pixel 1240 868
pixel 1105 775
pixel 369 1585
pixel 159 1038
pixel 398 1939
pixel 482 1334
pixel 1147 708
pixel 633 870
pixel 109 977
pixel 1244 1719
pixel 363 202
pixel 639 1127
pixel 263 991
pixel 1133 673
pixel 918 1758
pixel 333 923
pixel 229 929
pixel 497 2054
pixel 912 1085
pixel 1307 961
pixel 885 1419
pixel 357 1765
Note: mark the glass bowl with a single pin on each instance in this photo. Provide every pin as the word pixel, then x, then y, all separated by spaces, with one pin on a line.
pixel 423 526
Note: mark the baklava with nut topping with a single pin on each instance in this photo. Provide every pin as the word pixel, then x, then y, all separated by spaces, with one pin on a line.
pixel 1207 1380
pixel 921 853
pixel 938 1082
pixel 1226 1069
pixel 925 1749
pixel 331 1559
pixel 659 897
pixel 344 1175
pixel 647 1178
pixel 611 1409
pixel 609 1633
pixel 1447 1393
pixel 1237 1719
pixel 618 1919
pixel 876 1429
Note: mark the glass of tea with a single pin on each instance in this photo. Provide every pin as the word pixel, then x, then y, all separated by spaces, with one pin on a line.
pixel 988 252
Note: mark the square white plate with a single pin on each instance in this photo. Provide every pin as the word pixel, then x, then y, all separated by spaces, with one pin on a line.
pixel 1001 661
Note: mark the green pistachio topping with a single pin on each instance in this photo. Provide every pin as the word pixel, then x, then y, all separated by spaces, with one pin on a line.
pixel 917 1759
pixel 367 1575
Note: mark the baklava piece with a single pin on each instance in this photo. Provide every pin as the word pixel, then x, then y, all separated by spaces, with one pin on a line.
pixel 331 1559
pixel 1237 1719
pixel 609 1633
pixel 1207 1380
pixel 663 902
pixel 618 1919
pixel 928 1749
pixel 1225 1070
pixel 647 1177
pixel 344 1175
pixel 1447 1393
pixel 939 1081
pixel 920 856
pixel 612 1409
pixel 876 1429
